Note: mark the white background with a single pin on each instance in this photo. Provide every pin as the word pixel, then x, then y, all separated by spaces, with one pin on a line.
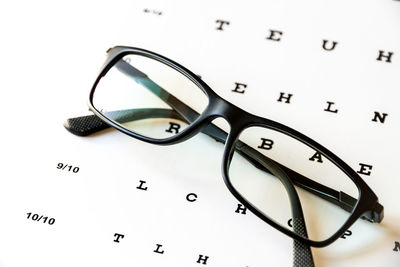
pixel 50 54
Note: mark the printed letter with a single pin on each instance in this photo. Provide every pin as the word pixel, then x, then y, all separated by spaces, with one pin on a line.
pixel 241 208
pixel 272 36
pixel 238 88
pixel 118 236
pixel 202 259
pixel 382 55
pixel 365 169
pixel 317 156
pixel 157 250
pixel 331 47
pixel 380 117
pixel 347 233
pixel 266 144
pixel 221 24
pixel 192 197
pixel 173 126
pixel 141 185
pixel 287 98
pixel 329 107
pixel 396 246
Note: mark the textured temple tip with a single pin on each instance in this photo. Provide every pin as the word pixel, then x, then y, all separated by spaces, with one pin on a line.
pixel 85 125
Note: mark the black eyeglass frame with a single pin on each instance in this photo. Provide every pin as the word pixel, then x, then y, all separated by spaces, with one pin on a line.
pixel 238 120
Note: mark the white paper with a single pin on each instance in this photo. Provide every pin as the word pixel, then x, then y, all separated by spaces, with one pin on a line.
pixel 51 52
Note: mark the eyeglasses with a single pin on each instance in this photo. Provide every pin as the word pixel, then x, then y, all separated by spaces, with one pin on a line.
pixel 282 176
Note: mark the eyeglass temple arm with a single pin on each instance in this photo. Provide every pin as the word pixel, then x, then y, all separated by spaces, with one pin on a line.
pixel 90 124
pixel 339 198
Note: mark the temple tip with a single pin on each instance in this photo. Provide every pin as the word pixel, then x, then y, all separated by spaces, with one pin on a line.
pixel 85 125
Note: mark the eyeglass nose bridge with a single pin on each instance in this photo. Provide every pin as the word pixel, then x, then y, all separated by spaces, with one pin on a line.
pixel 236 117
pixel 218 108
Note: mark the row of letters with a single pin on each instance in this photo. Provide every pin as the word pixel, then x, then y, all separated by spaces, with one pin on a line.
pixel 267 144
pixel 286 98
pixel 277 35
pixel 327 45
pixel 204 259
pixel 160 250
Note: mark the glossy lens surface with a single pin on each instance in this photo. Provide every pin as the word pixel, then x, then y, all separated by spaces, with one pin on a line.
pixel 283 178
pixel 149 97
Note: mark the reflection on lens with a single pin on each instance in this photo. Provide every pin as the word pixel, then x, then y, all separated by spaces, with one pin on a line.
pixel 319 183
pixel 148 97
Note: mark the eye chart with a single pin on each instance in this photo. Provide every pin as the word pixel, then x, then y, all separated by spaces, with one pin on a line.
pixel 327 69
